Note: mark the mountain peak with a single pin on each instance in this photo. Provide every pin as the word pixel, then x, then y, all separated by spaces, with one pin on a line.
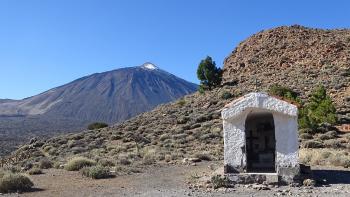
pixel 149 66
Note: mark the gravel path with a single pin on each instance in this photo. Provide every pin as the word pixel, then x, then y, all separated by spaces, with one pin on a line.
pixel 171 181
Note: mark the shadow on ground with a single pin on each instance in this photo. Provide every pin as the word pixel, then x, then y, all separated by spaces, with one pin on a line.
pixel 332 176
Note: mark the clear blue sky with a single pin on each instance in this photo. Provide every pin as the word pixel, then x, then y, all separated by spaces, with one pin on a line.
pixel 47 43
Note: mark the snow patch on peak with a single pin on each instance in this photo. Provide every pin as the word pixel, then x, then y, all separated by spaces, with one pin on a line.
pixel 149 66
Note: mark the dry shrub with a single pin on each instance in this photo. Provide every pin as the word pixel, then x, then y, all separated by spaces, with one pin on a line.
pixel 203 156
pixel 164 137
pixel 305 136
pixel 312 144
pixel 333 143
pixel 13 169
pixel 35 171
pixel 96 172
pixel 78 163
pixel 220 181
pixel 123 160
pixel 149 156
pixel 45 163
pixel 306 130
pixel 57 165
pixel 325 156
pixel 167 158
pixel 309 182
pixel 14 182
pixel 347 136
pixel 106 162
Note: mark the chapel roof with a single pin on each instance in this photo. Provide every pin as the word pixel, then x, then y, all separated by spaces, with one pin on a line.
pixel 258 100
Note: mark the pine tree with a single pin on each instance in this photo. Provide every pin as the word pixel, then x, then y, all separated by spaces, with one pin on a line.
pixel 209 75
pixel 320 109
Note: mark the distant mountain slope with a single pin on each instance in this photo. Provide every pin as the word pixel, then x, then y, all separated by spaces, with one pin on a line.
pixel 110 97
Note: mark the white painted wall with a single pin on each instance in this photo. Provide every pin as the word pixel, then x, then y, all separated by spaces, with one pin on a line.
pixel 286 129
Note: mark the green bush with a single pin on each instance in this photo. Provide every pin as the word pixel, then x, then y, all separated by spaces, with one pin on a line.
pixel 14 182
pixel 284 92
pixel 226 95
pixel 320 109
pixel 96 172
pixel 78 163
pixel 97 125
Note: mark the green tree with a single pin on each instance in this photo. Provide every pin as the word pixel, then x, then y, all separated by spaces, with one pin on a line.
pixel 320 109
pixel 209 75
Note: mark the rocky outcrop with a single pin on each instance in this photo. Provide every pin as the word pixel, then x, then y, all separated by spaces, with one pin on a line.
pixel 296 57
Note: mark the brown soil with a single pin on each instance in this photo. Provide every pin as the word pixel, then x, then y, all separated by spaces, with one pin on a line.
pixel 172 181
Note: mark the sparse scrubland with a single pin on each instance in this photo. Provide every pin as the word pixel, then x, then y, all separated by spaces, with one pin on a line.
pixel 191 128
pixel 188 128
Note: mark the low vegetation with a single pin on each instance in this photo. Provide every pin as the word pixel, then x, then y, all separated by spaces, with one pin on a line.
pixel 284 92
pixel 226 95
pixel 97 125
pixel 45 164
pixel 96 172
pixel 181 102
pixel 325 156
pixel 14 182
pixel 219 181
pixel 168 134
pixel 78 163
pixel 35 171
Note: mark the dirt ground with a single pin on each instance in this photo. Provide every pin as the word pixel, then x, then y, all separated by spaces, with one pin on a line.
pixel 173 181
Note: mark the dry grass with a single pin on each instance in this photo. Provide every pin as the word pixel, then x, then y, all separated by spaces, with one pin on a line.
pixel 96 172
pixel 324 156
pixel 14 182
pixel 78 163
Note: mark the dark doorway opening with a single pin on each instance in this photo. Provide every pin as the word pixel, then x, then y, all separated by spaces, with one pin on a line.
pixel 260 142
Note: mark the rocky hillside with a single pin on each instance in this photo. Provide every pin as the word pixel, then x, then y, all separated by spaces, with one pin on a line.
pixel 188 127
pixel 296 57
pixel 111 97
pixel 192 126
